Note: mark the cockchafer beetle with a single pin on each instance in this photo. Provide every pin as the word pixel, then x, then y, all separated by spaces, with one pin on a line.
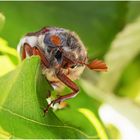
pixel 63 57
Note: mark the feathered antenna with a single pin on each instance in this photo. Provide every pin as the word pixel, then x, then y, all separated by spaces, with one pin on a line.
pixel 97 65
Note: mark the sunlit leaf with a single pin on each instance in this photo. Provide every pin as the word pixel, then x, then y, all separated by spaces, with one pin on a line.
pixel 113 132
pixel 4 48
pixel 4 134
pixel 8 58
pixel 5 65
pixel 95 122
pixel 9 51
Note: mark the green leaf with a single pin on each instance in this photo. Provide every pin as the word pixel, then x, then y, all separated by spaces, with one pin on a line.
pixel 130 80
pixel 128 85
pixel 21 101
pixel 83 112
pixel 123 50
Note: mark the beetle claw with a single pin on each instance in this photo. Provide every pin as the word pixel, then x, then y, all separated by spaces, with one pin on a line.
pixel 48 106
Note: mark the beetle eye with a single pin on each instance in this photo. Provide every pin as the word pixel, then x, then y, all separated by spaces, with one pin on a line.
pixel 52 41
pixel 55 40
pixel 48 42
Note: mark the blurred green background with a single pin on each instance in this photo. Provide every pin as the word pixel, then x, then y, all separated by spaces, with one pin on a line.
pixel 109 30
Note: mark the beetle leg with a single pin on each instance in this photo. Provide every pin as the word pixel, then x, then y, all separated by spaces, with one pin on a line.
pixel 34 51
pixel 37 51
pixel 27 49
pixel 48 94
pixel 70 84
pixel 23 53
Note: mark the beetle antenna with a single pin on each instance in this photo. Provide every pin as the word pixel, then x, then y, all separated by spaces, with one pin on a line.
pixel 96 65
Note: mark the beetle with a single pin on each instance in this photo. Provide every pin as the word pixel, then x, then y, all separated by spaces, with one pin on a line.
pixel 63 57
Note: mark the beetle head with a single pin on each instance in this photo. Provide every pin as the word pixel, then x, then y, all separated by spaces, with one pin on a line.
pixel 56 40
pixel 63 45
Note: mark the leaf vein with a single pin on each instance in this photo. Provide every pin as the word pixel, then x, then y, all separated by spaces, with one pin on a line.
pixel 47 125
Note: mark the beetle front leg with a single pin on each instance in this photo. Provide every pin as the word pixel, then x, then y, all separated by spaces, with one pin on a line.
pixel 27 49
pixel 70 84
